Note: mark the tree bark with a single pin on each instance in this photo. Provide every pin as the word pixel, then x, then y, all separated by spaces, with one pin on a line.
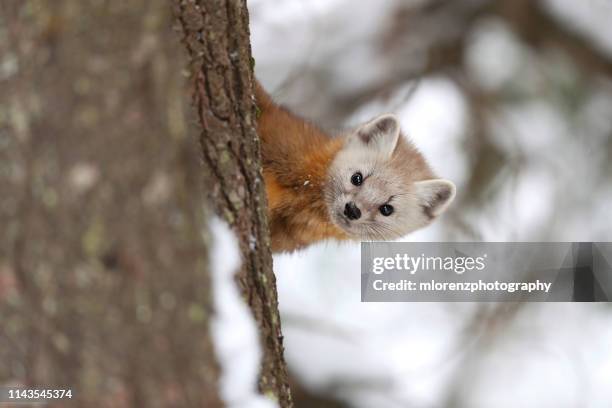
pixel 216 35
pixel 104 279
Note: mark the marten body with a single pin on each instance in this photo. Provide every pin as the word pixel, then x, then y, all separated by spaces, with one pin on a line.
pixel 322 187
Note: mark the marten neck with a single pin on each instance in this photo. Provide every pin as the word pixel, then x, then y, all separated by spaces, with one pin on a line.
pixel 296 156
pixel 297 210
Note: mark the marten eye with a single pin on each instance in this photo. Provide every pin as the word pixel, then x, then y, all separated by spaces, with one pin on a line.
pixel 386 210
pixel 357 179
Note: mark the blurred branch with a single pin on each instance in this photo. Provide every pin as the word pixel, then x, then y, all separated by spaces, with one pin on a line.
pixel 539 29
pixel 487 326
pixel 420 42
pixel 317 325
pixel 304 398
pixel 431 39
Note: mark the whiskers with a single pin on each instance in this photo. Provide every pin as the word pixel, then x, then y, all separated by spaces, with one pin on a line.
pixel 376 231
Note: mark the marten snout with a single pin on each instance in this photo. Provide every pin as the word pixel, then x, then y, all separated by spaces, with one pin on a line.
pixel 351 211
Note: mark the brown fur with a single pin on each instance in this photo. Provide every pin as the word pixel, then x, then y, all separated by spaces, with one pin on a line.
pixel 295 155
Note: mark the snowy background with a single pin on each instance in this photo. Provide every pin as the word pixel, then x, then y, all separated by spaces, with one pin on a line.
pixel 511 100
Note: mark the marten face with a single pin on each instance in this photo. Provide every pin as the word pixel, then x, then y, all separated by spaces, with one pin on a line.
pixel 379 187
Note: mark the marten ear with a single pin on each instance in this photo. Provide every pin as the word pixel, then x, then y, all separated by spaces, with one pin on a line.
pixel 380 134
pixel 434 196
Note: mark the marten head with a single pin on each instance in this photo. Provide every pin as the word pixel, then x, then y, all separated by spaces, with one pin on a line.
pixel 379 186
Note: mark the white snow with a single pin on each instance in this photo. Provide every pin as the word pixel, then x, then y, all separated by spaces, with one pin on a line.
pixel 233 329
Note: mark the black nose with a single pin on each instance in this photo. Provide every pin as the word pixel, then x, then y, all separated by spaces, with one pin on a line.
pixel 351 211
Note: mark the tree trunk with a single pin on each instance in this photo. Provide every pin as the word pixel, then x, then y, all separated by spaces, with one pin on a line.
pixel 104 280
pixel 216 34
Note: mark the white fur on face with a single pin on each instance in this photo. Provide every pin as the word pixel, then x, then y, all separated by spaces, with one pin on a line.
pixel 369 150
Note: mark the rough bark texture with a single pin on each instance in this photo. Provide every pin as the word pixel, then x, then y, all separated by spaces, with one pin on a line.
pixel 104 281
pixel 216 35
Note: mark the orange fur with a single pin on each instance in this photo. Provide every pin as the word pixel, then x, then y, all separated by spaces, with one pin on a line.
pixel 296 156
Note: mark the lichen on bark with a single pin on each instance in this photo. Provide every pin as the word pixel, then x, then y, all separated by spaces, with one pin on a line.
pixel 104 273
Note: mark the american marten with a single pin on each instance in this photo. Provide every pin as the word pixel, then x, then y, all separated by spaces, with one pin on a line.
pixel 370 183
